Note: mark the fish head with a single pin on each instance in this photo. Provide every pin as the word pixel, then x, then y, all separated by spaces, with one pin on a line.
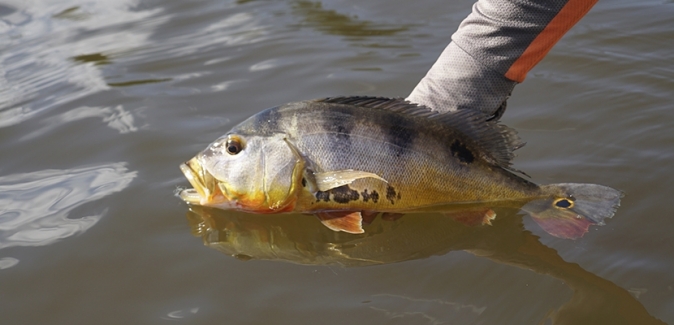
pixel 253 173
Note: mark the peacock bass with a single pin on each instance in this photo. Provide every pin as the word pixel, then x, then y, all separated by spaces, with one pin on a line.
pixel 345 157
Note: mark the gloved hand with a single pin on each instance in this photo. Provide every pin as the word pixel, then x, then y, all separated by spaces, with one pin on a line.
pixel 492 51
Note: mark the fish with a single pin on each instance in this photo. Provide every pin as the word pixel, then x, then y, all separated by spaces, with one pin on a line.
pixel 340 158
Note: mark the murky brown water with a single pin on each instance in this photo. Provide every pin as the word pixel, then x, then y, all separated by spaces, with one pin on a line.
pixel 101 100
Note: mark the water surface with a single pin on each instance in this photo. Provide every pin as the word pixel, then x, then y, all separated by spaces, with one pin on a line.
pixel 100 101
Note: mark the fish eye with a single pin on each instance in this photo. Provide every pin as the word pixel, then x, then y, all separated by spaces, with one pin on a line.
pixel 234 145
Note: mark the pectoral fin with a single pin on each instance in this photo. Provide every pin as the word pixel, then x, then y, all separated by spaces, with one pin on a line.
pixel 337 178
pixel 346 221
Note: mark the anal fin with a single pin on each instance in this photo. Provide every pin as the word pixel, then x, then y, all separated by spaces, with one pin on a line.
pixel 347 221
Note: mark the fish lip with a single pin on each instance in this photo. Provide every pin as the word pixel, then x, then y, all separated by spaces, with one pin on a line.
pixel 195 194
pixel 194 178
pixel 206 190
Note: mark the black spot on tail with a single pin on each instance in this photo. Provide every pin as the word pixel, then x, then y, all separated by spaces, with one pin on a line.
pixel 564 203
pixel 367 196
pixel 459 150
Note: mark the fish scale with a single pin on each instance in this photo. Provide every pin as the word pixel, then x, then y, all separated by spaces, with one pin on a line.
pixel 337 157
pixel 423 160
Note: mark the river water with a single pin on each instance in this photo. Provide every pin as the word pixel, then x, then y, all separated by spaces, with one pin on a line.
pixel 100 101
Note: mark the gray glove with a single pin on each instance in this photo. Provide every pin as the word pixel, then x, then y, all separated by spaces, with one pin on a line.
pixel 493 49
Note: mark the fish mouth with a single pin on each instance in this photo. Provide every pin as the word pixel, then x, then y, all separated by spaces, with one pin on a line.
pixel 206 190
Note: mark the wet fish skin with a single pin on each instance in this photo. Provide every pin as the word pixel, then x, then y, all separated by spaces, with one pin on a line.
pixel 410 151
pixel 419 158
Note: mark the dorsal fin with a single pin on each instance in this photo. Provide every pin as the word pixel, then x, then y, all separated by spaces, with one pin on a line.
pixel 496 140
pixel 391 104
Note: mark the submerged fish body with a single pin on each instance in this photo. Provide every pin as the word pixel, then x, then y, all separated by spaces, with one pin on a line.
pixel 338 157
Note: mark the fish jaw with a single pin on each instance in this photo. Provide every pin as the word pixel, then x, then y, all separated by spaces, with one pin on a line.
pixel 190 196
pixel 211 192
pixel 206 190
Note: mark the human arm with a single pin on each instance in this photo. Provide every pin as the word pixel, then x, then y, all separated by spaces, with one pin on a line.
pixel 492 51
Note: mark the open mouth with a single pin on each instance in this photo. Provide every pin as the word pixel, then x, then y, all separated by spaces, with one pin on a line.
pixel 206 190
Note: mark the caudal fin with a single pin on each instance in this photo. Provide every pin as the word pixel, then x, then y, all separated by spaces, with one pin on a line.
pixel 572 208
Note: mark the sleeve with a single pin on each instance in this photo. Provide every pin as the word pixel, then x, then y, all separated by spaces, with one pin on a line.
pixel 492 51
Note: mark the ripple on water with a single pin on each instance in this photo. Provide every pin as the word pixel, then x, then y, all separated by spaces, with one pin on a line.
pixel 35 207
pixel 7 262
pixel 50 62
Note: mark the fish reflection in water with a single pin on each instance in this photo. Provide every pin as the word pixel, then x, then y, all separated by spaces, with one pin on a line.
pixel 302 239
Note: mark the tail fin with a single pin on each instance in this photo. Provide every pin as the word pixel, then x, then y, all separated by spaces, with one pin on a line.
pixel 571 208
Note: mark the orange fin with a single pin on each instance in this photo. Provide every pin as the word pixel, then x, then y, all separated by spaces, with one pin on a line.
pixel 473 217
pixel 346 221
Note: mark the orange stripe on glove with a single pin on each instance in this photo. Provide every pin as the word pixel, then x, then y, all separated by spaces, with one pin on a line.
pixel 570 14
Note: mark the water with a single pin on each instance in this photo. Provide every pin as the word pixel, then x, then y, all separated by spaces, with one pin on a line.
pixel 100 101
